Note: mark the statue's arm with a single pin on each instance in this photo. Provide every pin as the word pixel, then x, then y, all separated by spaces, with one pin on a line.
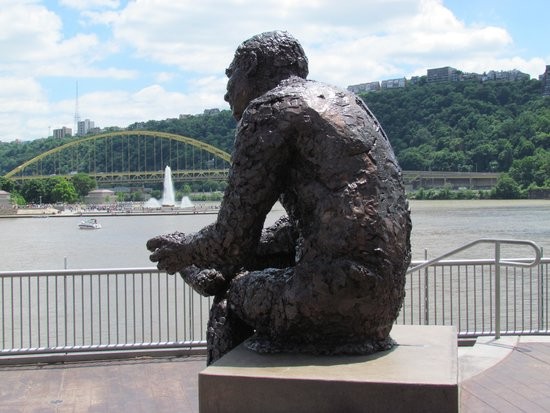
pixel 277 246
pixel 255 181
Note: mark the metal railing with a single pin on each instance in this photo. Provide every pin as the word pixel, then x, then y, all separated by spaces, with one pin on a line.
pixel 471 294
pixel 74 312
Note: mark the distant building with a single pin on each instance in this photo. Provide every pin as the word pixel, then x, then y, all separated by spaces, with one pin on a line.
pixel 394 83
pixel 5 201
pixel 505 75
pixel 84 127
pixel 209 112
pixel 63 132
pixel 450 74
pixel 442 74
pixel 365 87
pixel 100 196
pixel 545 80
pixel 471 77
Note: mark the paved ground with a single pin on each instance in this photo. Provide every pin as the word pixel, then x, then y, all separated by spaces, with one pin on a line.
pixel 520 382
pixel 506 375
pixel 145 385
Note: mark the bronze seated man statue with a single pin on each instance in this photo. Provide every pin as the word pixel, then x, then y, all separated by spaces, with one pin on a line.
pixel 329 277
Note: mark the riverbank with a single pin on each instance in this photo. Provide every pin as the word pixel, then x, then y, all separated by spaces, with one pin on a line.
pixel 125 209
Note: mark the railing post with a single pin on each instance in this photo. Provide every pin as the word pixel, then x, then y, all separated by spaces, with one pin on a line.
pixel 541 292
pixel 426 291
pixel 497 290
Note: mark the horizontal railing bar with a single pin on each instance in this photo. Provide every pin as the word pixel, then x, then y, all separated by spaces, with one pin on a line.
pixel 415 266
pixel 93 356
pixel 486 241
pixel 104 347
pixel 90 271
pixel 472 261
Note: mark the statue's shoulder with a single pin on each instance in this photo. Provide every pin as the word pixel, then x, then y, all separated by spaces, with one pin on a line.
pixel 293 89
pixel 296 94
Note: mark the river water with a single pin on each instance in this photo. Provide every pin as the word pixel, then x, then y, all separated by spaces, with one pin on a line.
pixel 438 226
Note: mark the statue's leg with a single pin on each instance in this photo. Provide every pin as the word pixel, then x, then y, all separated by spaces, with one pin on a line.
pixel 225 330
pixel 326 306
pixel 257 297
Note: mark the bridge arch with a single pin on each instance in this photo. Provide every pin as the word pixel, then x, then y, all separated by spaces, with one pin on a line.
pixel 216 152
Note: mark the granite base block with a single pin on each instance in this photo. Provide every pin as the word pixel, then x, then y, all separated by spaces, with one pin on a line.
pixel 420 374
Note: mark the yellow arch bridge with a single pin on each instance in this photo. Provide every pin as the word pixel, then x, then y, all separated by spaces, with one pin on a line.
pixel 129 158
pixel 139 157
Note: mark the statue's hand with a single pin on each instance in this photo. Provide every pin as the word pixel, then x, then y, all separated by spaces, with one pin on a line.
pixel 206 282
pixel 170 252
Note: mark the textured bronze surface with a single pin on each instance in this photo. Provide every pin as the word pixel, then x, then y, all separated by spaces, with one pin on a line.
pixel 329 277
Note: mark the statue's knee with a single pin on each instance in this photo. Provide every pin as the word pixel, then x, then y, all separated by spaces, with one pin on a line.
pixel 253 296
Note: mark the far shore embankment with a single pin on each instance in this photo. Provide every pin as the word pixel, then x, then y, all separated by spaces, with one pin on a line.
pixel 52 212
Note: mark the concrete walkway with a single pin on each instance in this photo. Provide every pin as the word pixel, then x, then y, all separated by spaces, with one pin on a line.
pixel 143 385
pixel 511 376
pixel 506 375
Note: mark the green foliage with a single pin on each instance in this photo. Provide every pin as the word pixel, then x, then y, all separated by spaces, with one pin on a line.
pixel 83 183
pixel 17 198
pixel 447 193
pixel 533 169
pixel 217 129
pixel 466 126
pixel 506 188
pixel 130 197
pixel 457 126
pixel 207 197
pixel 34 191
pixel 6 184
pixel 63 191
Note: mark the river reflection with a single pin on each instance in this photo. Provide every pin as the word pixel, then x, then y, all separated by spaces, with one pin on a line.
pixel 438 226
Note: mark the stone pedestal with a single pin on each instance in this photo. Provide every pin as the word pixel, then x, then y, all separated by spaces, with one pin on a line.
pixel 418 375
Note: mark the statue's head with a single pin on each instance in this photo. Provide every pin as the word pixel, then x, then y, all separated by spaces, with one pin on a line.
pixel 260 63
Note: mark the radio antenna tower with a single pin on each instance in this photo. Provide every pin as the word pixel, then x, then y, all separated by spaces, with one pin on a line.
pixel 76 112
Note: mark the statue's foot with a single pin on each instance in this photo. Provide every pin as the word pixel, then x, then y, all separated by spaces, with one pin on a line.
pixel 207 282
pixel 264 345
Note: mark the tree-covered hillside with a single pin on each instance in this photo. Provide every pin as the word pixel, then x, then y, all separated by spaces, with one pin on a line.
pixel 458 126
pixel 468 126
pixel 217 129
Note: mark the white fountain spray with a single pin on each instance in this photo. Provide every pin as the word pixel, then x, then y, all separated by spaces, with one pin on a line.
pixel 168 198
pixel 186 203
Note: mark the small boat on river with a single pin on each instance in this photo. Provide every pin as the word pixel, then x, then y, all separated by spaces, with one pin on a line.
pixel 90 223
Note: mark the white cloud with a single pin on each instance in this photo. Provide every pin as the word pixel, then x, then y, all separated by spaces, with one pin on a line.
pixel 20 97
pixel 143 44
pixel 346 42
pixel 33 44
pixel 120 108
pixel 90 4
pixel 162 77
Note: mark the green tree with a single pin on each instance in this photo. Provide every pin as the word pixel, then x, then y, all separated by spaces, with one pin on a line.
pixel 6 184
pixel 83 183
pixel 532 169
pixel 49 185
pixel 414 159
pixel 64 191
pixel 17 198
pixel 507 188
pixel 34 191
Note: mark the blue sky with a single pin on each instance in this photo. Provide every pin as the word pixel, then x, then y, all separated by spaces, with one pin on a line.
pixel 156 59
